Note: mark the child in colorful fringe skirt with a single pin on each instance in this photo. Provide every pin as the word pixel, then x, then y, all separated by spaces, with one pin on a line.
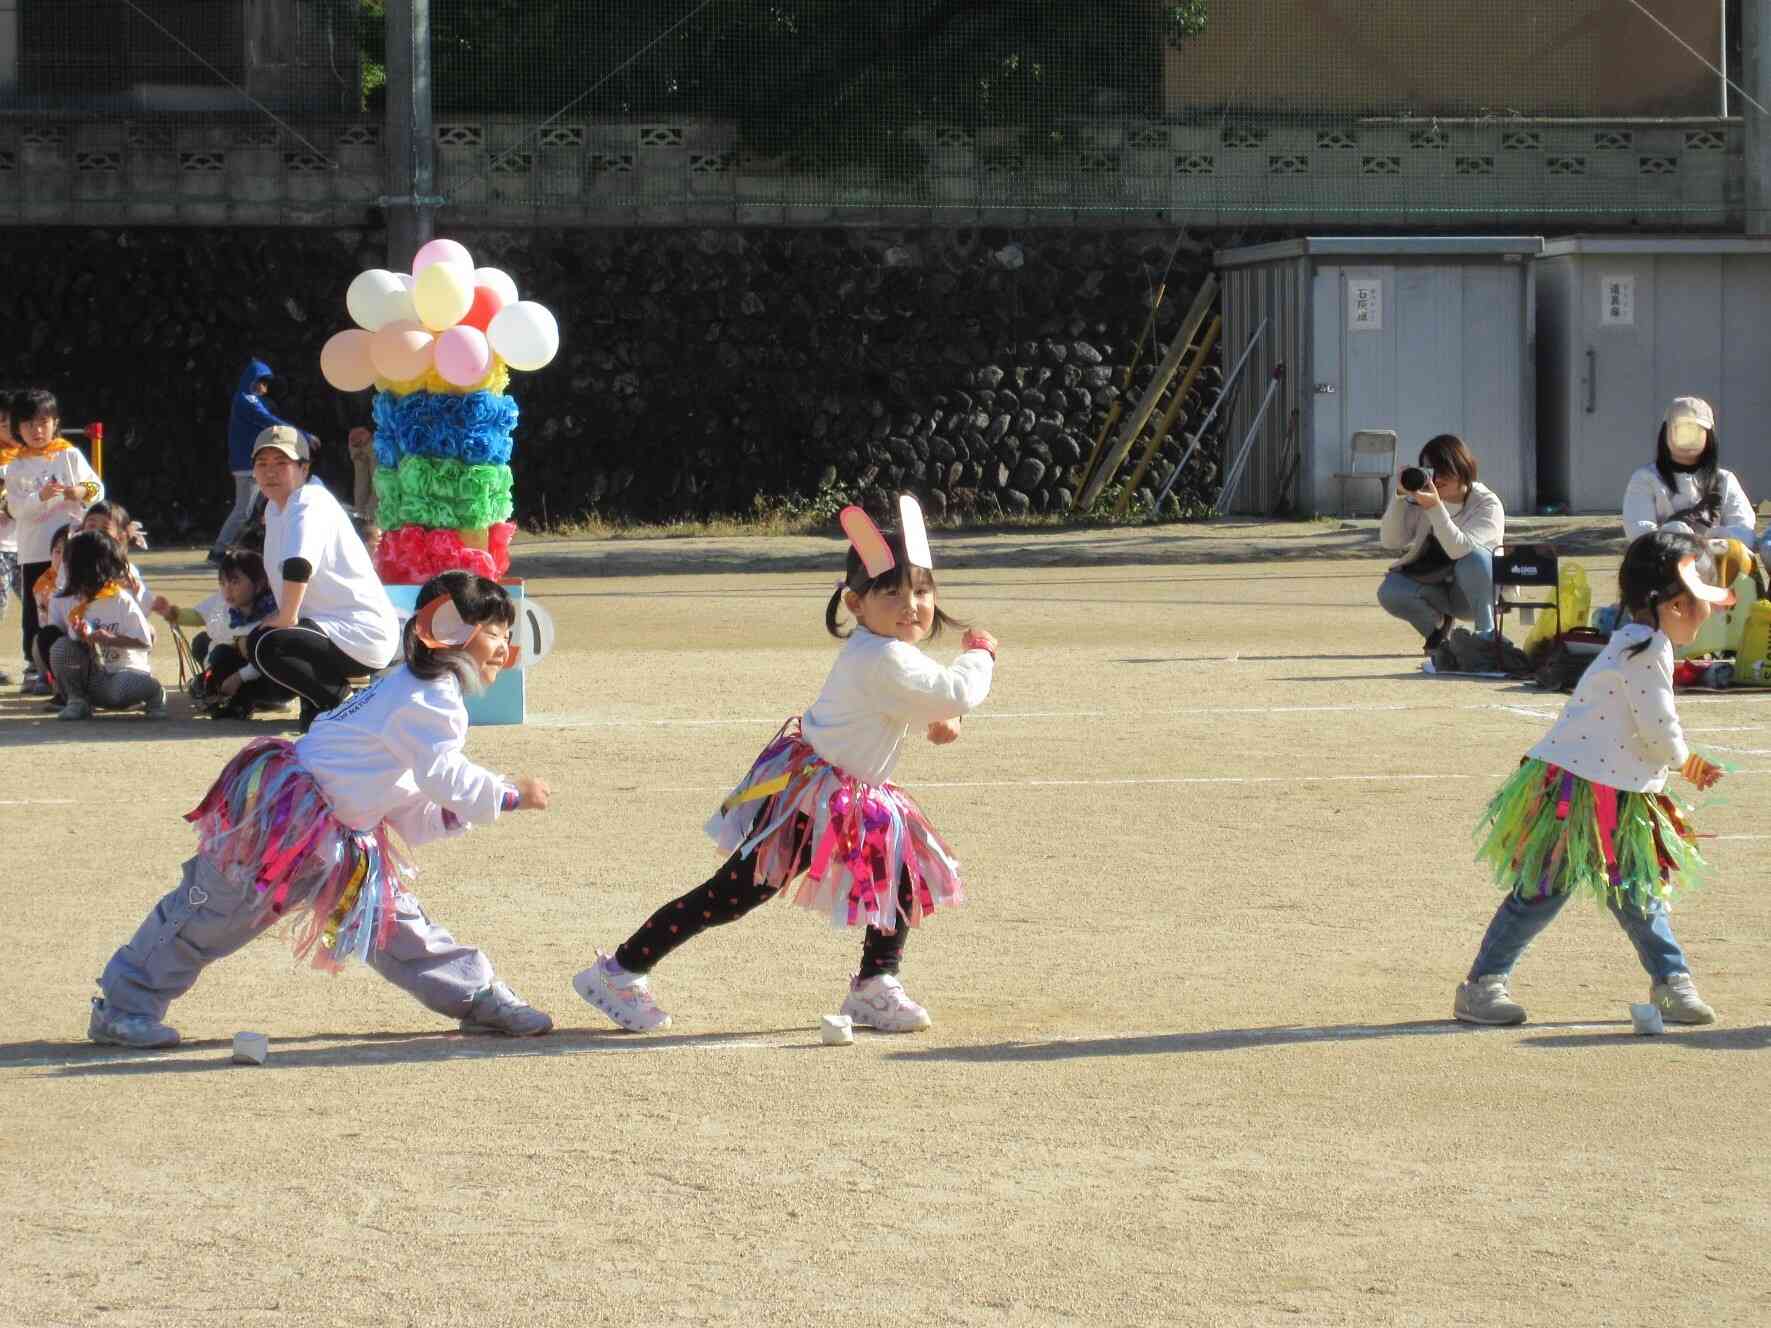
pixel 817 806
pixel 310 832
pixel 1587 811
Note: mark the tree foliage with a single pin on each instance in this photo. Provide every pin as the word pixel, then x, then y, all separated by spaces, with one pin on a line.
pixel 817 78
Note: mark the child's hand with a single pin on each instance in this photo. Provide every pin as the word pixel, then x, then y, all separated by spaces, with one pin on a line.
pixel 101 636
pixel 976 638
pixel 1700 772
pixel 165 608
pixel 944 731
pixel 532 792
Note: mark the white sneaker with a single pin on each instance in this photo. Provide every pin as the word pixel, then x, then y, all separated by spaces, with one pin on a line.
pixel 1486 1000
pixel 1677 999
pixel 625 997
pixel 881 1003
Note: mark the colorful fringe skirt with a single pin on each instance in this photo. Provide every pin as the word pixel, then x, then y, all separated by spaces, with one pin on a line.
pixel 265 823
pixel 1547 832
pixel 797 814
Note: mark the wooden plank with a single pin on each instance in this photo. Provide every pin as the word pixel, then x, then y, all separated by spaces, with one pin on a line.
pixel 1134 423
pixel 1117 408
pixel 1176 404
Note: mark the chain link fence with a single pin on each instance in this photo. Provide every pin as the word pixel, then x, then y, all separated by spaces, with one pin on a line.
pixel 1356 113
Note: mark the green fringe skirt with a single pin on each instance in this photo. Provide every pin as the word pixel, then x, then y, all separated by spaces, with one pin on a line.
pixel 1549 832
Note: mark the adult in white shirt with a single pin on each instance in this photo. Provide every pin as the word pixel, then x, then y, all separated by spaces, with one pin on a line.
pixel 334 621
pixel 1686 489
pixel 1448 529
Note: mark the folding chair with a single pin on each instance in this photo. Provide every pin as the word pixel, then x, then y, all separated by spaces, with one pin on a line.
pixel 1531 565
pixel 1376 448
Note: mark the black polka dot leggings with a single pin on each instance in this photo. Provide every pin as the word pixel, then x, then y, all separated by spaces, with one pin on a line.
pixel 728 895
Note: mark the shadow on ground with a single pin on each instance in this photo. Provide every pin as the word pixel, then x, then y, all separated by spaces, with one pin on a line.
pixel 81 1059
pixel 1223 1039
pixel 1711 1039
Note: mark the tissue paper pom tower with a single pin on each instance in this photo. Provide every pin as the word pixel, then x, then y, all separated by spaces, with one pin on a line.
pixel 439 345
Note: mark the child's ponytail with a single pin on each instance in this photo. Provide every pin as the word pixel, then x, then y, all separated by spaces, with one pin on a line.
pixel 833 614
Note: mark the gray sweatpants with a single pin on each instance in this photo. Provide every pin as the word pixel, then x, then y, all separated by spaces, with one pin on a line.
pixel 80 678
pixel 205 919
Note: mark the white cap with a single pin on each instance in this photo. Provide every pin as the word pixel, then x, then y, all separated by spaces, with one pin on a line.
pixel 1694 409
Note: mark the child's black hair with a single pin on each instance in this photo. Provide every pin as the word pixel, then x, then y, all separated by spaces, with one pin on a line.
pixel 478 600
pixel 1649 574
pixel 115 514
pixel 60 537
pixel 243 562
pixel 855 578
pixel 32 402
pixel 91 562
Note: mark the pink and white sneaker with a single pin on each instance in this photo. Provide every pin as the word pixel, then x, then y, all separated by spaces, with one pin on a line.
pixel 625 997
pixel 881 1003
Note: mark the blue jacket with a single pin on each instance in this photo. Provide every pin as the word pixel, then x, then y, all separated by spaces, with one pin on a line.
pixel 249 416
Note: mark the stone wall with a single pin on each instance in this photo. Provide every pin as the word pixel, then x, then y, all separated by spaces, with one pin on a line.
pixel 700 370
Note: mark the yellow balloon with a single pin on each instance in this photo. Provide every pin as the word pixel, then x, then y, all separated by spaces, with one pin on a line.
pixel 443 295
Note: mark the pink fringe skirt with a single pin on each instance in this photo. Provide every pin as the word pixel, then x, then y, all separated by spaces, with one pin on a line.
pixel 266 823
pixel 852 846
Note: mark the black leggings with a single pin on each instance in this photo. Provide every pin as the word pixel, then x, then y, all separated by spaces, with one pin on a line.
pixel 27 604
pixel 728 895
pixel 304 660
pixel 221 663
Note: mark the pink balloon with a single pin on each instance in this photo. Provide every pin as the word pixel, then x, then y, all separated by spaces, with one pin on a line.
pixel 401 351
pixel 464 356
pixel 442 251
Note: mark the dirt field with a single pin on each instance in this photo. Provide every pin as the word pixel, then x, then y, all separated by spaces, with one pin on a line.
pixel 1192 1059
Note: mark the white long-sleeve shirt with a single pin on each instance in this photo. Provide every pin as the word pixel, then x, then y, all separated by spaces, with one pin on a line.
pixel 1620 727
pixel 37 519
pixel 1648 504
pixel 393 753
pixel 876 690
pixel 1479 521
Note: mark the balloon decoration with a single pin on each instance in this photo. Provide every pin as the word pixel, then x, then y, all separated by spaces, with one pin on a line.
pixel 439 343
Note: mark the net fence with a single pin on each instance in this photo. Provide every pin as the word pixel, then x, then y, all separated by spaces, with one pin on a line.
pixel 1357 112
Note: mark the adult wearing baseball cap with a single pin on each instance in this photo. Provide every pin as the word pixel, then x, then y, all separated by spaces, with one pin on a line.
pixel 334 621
pixel 1686 489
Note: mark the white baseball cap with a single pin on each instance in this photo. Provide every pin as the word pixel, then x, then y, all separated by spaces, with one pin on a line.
pixel 285 439
pixel 1693 409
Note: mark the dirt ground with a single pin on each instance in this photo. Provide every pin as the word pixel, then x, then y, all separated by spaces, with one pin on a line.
pixel 1192 1059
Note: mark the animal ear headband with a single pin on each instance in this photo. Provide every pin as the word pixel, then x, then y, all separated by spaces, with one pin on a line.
pixel 441 627
pixel 871 545
pixel 1693 581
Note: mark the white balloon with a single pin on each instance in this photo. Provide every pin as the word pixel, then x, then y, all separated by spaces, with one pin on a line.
pixel 499 282
pixel 373 297
pixel 525 335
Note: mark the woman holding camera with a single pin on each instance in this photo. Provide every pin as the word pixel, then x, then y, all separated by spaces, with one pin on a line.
pixel 1448 527
pixel 1686 489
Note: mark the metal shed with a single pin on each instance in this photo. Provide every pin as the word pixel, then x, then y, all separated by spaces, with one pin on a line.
pixel 1625 325
pixel 1420 334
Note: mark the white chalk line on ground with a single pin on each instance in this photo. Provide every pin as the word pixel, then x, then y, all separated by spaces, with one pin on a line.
pixel 574 721
pixel 37 802
pixel 587 722
pixel 1138 780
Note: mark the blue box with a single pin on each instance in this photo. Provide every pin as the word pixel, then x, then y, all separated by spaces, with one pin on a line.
pixel 505 701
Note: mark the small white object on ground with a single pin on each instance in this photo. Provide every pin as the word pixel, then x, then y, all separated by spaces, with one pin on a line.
pixel 251 1048
pixel 837 1030
pixel 1646 1019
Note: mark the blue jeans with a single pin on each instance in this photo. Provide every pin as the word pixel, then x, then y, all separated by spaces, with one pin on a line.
pixel 1469 595
pixel 1518 921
